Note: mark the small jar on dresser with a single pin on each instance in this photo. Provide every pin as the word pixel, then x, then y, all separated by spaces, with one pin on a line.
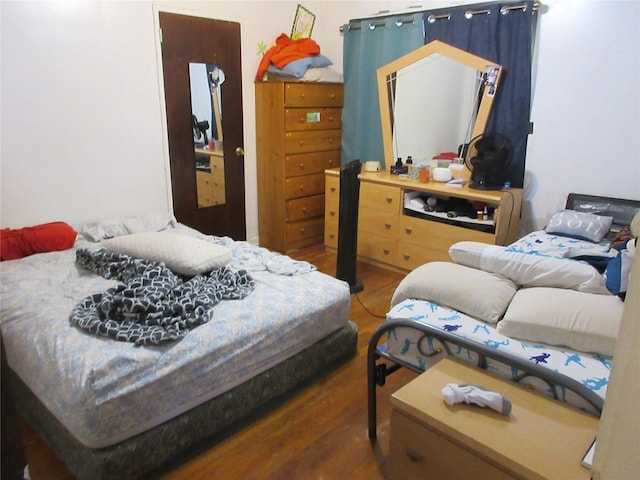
pixel 298 128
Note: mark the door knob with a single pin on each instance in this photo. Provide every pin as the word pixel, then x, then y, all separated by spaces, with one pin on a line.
pixel 239 152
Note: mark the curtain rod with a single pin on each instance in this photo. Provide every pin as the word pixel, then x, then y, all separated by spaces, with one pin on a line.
pixel 504 10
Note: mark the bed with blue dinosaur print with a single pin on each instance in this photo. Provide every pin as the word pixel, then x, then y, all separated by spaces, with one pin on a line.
pixel 412 347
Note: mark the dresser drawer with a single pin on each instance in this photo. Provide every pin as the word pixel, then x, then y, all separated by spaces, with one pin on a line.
pixel 304 232
pixel 411 256
pixel 210 188
pixel 305 207
pixel 416 452
pixel 378 222
pixel 331 235
pixel 380 197
pixel 425 232
pixel 216 163
pixel 332 188
pixel 331 212
pixel 382 249
pixel 315 95
pixel 296 119
pixel 304 185
pixel 306 163
pixel 312 141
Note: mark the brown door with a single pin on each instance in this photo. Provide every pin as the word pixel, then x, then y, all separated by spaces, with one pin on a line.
pixel 207 164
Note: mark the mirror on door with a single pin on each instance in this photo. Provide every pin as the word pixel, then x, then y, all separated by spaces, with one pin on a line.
pixel 206 81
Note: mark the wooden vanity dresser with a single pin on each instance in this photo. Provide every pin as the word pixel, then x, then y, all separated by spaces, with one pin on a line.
pixel 391 236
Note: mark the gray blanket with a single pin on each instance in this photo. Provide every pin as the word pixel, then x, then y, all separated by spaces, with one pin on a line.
pixel 152 305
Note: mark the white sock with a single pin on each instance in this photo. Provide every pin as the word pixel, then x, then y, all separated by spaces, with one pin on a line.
pixel 477 395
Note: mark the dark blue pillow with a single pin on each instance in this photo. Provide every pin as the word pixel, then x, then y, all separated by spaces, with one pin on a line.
pixel 616 275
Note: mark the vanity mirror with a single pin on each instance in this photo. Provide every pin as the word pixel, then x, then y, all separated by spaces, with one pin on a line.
pixel 434 99
pixel 206 81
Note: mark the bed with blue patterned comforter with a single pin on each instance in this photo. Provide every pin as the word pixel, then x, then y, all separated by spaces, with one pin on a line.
pixel 104 392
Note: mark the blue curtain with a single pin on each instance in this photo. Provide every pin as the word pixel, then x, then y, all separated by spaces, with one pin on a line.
pixel 502 34
pixel 369 44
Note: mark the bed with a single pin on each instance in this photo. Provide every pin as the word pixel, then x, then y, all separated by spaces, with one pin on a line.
pixel 115 404
pixel 503 308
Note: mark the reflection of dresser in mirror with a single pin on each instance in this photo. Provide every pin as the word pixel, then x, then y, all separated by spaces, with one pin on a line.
pixel 210 177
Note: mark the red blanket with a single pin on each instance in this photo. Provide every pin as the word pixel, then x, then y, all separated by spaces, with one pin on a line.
pixel 286 50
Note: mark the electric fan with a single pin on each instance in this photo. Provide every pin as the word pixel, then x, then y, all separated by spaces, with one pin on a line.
pixel 488 158
pixel 199 130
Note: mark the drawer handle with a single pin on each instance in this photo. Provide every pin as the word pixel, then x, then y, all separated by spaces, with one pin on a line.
pixel 408 230
pixel 304 209
pixel 301 166
pixel 331 140
pixel 301 143
pixel 302 230
pixel 387 226
pixel 332 213
pixel 333 189
pixel 389 199
pixel 302 188
pixel 406 257
pixel 385 251
pixel 414 456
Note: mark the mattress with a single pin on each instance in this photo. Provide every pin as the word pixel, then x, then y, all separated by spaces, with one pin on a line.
pixel 105 391
pixel 409 346
pixel 557 246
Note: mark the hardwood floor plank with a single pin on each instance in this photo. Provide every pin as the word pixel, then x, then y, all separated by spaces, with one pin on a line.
pixel 319 432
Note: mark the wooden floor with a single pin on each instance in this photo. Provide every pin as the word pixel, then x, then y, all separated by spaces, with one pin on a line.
pixel 318 433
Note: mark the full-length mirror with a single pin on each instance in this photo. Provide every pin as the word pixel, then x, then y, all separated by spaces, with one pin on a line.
pixel 206 81
pixel 433 100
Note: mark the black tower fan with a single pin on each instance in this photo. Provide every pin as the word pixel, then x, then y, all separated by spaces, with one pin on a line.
pixel 348 225
pixel 488 157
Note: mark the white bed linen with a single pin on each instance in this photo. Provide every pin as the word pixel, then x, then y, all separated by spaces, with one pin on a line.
pixel 589 369
pixel 104 391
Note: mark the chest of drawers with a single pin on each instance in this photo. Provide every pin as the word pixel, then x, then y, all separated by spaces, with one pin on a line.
pixel 540 439
pixel 298 127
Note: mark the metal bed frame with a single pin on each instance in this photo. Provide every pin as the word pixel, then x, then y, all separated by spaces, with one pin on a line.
pixel 378 369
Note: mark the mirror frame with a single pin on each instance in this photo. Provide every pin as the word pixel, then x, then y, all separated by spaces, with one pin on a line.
pixel 444 49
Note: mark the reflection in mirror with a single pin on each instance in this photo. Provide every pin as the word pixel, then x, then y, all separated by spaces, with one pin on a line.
pixel 205 81
pixel 427 124
pixel 434 100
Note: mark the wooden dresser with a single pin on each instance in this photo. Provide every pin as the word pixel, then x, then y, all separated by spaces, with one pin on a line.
pixel 298 128
pixel 210 178
pixel 541 438
pixel 393 236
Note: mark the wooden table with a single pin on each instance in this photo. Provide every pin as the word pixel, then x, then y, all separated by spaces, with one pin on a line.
pixel 540 439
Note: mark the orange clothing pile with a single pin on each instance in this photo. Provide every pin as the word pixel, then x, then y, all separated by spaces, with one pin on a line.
pixel 286 50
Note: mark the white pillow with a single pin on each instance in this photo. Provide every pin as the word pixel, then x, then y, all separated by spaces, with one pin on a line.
pixel 468 253
pixel 556 316
pixel 479 294
pixel 530 270
pixel 181 253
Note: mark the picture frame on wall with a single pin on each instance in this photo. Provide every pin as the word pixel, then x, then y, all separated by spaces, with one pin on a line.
pixel 302 23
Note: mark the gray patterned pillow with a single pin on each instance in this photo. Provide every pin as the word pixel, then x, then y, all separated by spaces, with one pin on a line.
pixel 582 225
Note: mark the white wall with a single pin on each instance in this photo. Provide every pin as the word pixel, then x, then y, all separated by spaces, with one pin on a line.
pixel 83 129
